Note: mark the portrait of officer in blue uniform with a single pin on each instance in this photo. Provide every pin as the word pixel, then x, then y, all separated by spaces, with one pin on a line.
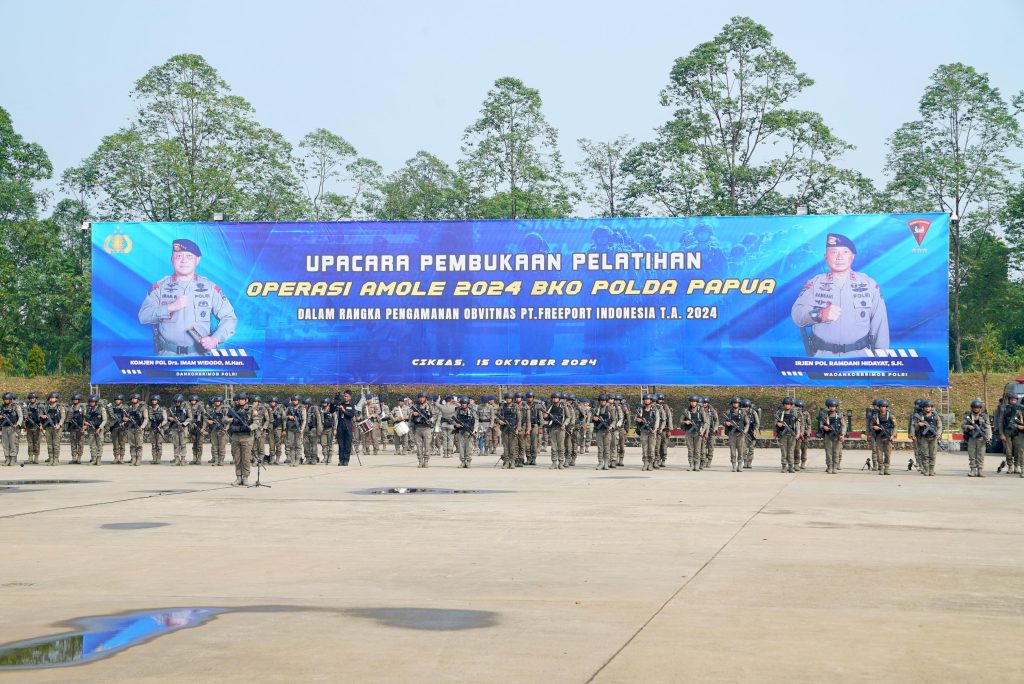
pixel 841 312
pixel 181 308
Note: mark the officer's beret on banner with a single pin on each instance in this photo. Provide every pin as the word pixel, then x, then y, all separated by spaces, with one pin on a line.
pixel 186 246
pixel 837 240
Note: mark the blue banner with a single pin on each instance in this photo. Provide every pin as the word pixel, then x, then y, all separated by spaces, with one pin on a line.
pixel 767 300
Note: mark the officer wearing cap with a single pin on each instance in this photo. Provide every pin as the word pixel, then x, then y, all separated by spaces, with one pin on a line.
pixel 181 307
pixel 841 312
pixel 977 430
pixel 11 420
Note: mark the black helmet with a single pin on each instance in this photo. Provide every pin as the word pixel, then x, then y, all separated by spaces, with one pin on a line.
pixel 977 404
pixel 463 400
pixel 517 395
pixel 734 400
pixel 178 398
pixel 506 395
pixel 831 402
pixel 649 396
pixel 874 402
pixel 257 399
pixel 325 400
pixel 694 398
pixel 242 396
pixel 76 397
pixel 117 397
pixel 155 397
pixel 556 395
pixel 530 394
pixel 799 403
pixel 602 397
pixel 295 397
pixel 135 395
pixel 421 395
pixel 745 403
pixel 787 400
pixel 93 398
pixel 926 402
pixel 32 395
pixel 193 397
pixel 307 401
pixel 53 395
pixel 273 399
pixel 659 396
pixel 571 396
pixel 882 403
pixel 918 402
pixel 216 399
pixel 705 400
pixel 618 397
pixel 9 395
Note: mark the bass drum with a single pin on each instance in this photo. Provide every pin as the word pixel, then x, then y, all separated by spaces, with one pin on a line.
pixel 402 429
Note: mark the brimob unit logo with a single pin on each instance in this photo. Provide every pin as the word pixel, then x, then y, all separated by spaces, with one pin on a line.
pixel 919 228
pixel 117 243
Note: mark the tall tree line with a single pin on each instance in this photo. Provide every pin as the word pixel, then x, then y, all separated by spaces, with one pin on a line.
pixel 733 143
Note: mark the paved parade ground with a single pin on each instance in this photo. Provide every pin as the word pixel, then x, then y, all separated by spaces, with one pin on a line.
pixel 529 575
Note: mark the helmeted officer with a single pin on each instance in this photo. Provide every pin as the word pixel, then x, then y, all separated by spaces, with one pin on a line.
pixel 842 312
pixel 181 307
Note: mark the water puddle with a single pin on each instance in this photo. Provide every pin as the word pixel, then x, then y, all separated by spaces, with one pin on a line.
pixel 622 477
pixel 94 638
pixel 428 490
pixel 428 618
pixel 133 525
pixel 166 491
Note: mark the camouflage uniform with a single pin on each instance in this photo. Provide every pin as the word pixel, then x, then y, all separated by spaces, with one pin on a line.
pixel 76 428
pixel 96 420
pixel 54 416
pixel 32 412
pixel 648 425
pixel 294 417
pixel 695 422
pixel 977 430
pixel 156 416
pixel 789 429
pixel 736 422
pixel 925 429
pixel 12 420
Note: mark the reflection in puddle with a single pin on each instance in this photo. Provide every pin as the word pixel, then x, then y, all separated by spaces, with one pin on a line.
pixel 133 525
pixel 45 482
pixel 101 636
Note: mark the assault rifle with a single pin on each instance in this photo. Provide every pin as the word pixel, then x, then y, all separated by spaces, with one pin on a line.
pixel 642 421
pixel 788 426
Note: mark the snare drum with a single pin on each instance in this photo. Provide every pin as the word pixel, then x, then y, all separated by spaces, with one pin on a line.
pixel 402 429
pixel 365 426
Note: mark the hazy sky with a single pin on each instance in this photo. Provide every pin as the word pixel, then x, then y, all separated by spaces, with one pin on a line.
pixel 397 77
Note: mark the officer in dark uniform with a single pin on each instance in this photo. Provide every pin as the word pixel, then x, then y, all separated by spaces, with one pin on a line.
pixel 346 416
pixel 11 421
pixel 242 421
pixel 118 428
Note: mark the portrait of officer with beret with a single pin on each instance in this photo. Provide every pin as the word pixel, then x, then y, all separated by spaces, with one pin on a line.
pixel 181 308
pixel 841 312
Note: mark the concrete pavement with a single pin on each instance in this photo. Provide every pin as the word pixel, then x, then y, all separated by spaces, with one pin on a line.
pixel 557 576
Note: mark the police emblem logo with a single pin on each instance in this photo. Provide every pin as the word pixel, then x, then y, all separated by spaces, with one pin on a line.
pixel 833 241
pixel 117 243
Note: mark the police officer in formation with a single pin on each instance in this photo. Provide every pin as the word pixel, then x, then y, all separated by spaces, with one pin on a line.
pixel 883 427
pixel 464 427
pixel 694 422
pixel 736 421
pixel 832 429
pixel 11 422
pixel 564 422
pixel 976 428
pixel 1010 419
pixel 648 426
pixel 789 429
pixel 925 428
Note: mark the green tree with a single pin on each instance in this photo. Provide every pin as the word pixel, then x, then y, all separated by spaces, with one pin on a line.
pixel 734 144
pixel 22 164
pixel 424 189
pixel 511 158
pixel 193 149
pixel 36 361
pixel 70 364
pixel 324 160
pixel 599 179
pixel 954 158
